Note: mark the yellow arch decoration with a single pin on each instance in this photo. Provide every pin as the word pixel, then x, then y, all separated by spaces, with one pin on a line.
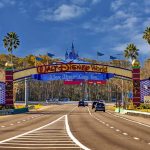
pixel 72 67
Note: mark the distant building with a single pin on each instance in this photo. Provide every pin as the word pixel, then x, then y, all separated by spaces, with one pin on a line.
pixel 72 55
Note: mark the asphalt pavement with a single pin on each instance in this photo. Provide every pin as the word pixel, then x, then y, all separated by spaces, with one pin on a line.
pixel 70 127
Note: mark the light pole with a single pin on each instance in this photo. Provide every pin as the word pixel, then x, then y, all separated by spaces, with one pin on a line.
pixel 122 95
pixel 26 92
pixel 85 90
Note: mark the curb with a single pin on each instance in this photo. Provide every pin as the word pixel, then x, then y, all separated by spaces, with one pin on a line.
pixel 133 113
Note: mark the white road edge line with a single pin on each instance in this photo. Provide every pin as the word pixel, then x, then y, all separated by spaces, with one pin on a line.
pixel 71 135
pixel 32 130
pixel 129 120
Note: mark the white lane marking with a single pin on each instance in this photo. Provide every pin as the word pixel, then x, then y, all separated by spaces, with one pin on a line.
pixel 72 109
pixel 111 127
pixel 117 130
pixel 50 137
pixel 45 141
pixel 36 144
pixel 42 139
pixel 71 135
pixel 23 120
pixel 32 130
pixel 149 143
pixel 52 134
pixel 11 124
pixel 107 124
pixel 130 120
pixel 125 133
pixel 46 136
pixel 39 147
pixel 136 138
pixel 18 122
pixel 3 126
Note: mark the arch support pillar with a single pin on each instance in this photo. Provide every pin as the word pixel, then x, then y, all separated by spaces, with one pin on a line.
pixel 9 103
pixel 136 82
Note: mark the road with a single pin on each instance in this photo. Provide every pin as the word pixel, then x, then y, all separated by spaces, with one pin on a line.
pixel 71 127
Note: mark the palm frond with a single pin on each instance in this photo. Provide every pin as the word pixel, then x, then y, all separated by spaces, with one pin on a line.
pixel 131 51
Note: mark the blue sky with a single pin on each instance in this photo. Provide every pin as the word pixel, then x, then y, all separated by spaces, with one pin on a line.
pixel 45 26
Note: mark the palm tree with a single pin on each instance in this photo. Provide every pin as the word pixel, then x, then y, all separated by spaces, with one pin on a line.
pixel 146 35
pixel 131 52
pixel 11 41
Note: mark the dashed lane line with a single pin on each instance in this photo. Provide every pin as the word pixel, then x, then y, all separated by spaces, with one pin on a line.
pixel 18 122
pixel 111 127
pixel 125 133
pixel 117 130
pixel 6 140
pixel 32 118
pixel 136 138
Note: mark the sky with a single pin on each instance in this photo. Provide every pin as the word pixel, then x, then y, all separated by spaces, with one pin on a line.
pixel 106 26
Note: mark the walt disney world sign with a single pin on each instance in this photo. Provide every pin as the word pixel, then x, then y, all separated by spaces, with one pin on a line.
pixel 71 67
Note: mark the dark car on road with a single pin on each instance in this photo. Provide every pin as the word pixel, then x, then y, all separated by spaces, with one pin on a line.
pixel 94 103
pixel 86 103
pixel 100 107
pixel 81 103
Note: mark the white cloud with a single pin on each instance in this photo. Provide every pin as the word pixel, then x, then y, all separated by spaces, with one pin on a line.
pixel 4 3
pixel 121 14
pixel 140 43
pixel 128 23
pixel 120 47
pixel 95 1
pixel 63 12
pixel 146 22
pixel 116 4
pixel 118 21
pixel 1 5
pixel 39 51
pixel 94 27
pixel 79 2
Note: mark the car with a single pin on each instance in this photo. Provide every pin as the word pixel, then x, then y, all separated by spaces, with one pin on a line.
pixel 85 103
pixel 94 103
pixel 100 107
pixel 81 103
